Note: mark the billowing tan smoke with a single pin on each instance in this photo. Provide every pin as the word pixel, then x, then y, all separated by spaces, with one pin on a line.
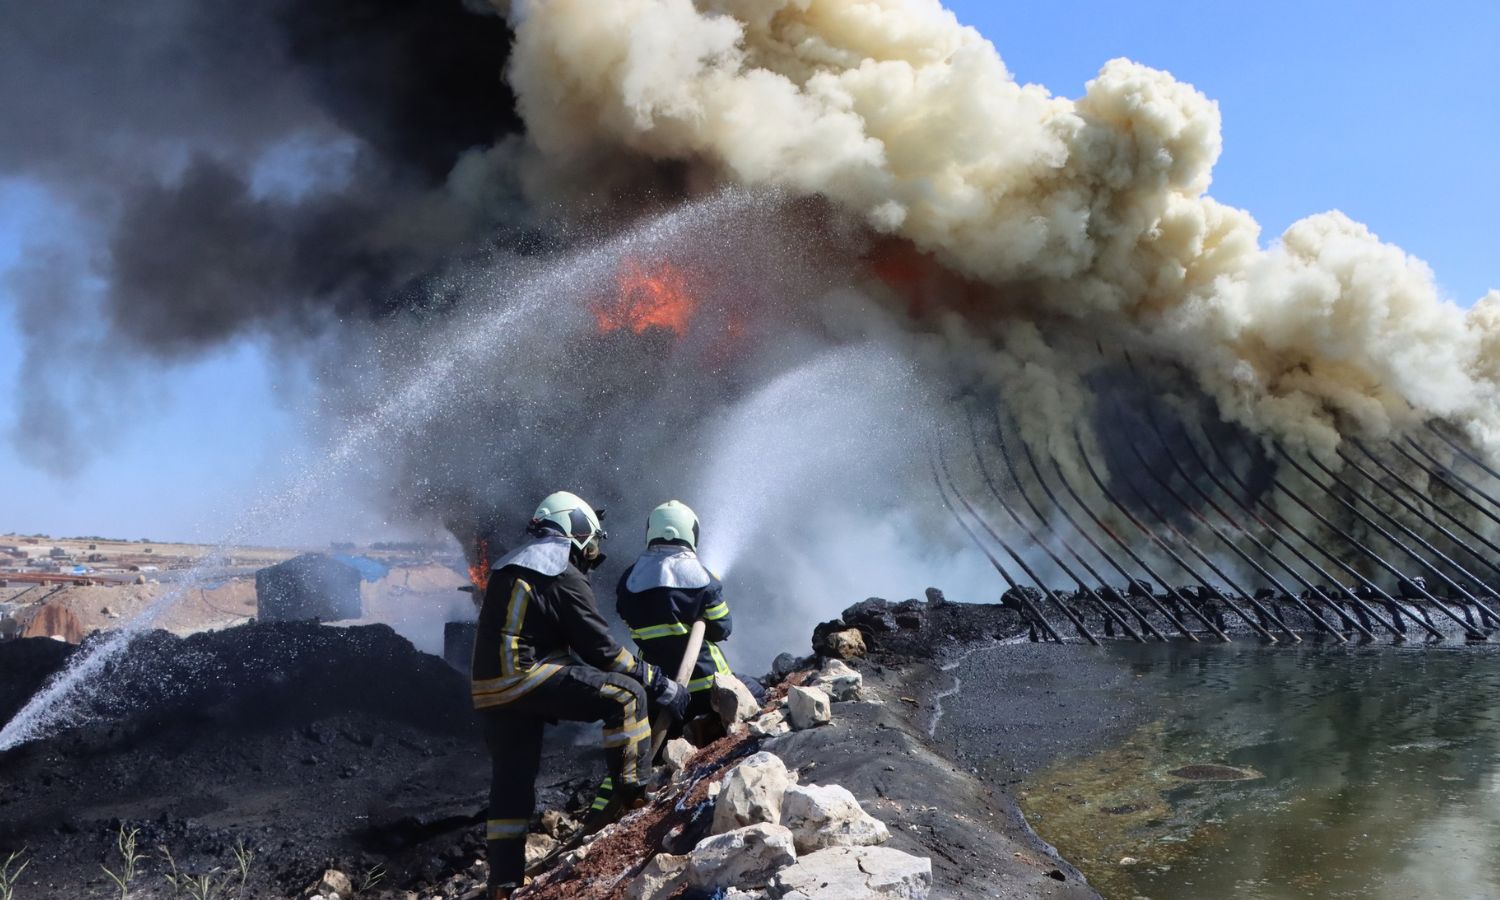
pixel 1092 209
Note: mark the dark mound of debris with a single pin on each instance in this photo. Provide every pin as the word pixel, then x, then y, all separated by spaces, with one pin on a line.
pixel 310 745
pixel 25 664
pixel 913 629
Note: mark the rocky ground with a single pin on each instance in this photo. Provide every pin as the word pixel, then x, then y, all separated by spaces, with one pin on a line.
pixel 317 748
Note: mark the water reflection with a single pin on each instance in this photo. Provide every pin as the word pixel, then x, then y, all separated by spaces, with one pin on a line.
pixel 1378 776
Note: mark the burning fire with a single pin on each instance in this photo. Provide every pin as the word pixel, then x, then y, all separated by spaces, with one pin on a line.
pixel 646 299
pixel 479 571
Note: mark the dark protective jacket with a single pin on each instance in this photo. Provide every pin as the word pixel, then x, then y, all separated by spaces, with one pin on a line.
pixel 538 615
pixel 660 596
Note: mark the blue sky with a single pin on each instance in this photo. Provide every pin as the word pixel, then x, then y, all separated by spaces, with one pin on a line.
pixel 1389 112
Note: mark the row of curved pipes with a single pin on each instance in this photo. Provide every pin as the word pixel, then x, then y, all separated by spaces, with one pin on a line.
pixel 1040 502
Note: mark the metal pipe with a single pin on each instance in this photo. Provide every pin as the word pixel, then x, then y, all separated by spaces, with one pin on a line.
pixel 1378 560
pixel 1224 538
pixel 1047 592
pixel 1213 504
pixel 1053 499
pixel 973 536
pixel 1187 542
pixel 1067 570
pixel 1174 592
pixel 1446 476
pixel 1462 451
pixel 1417 510
pixel 1484 611
pixel 1468 529
pixel 1036 510
pixel 1302 536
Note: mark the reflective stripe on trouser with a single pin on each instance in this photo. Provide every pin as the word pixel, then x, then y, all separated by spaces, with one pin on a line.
pixel 606 791
pixel 721 667
pixel 513 734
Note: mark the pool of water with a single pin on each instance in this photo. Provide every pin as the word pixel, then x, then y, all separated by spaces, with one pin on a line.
pixel 1290 772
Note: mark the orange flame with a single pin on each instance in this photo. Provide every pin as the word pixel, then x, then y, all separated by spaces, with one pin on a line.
pixel 479 572
pixel 646 300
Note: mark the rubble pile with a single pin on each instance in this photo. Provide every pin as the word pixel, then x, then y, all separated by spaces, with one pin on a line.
pixel 735 821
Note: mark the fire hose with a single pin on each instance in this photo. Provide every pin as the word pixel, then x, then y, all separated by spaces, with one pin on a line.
pixel 659 731
pixel 663 721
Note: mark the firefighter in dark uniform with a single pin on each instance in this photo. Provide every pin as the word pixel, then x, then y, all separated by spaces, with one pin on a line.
pixel 665 591
pixel 543 653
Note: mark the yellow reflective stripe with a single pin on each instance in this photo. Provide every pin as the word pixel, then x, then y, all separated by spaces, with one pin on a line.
pixel 599 803
pixel 628 733
pixel 498 691
pixel 625 698
pixel 505 829
pixel 510 645
pixel 652 632
pixel 721 667
pixel 717 611
pixel 624 695
pixel 623 661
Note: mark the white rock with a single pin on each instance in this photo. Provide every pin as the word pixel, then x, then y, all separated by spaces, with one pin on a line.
pixel 808 707
pixel 771 724
pixel 661 878
pixel 677 753
pixel 732 700
pixel 855 873
pixel 840 680
pixel 537 847
pixel 822 816
pixel 752 792
pixel 559 824
pixel 744 857
pixel 335 882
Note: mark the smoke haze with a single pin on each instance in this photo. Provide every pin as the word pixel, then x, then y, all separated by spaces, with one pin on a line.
pixel 885 226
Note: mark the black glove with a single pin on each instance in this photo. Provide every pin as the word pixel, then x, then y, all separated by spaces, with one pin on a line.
pixel 662 690
pixel 672 697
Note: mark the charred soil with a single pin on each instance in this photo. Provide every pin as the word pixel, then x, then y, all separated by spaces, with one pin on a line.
pixel 318 747
pixel 310 745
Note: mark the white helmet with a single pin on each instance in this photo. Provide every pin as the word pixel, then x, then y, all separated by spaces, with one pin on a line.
pixel 673 521
pixel 576 518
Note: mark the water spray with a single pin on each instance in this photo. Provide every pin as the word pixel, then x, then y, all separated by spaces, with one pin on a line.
pixel 470 336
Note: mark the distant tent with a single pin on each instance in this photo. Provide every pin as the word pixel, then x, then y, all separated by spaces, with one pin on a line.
pixel 368 569
pixel 310 586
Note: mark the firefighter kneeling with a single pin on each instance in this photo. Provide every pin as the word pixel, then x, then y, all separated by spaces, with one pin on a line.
pixel 667 589
pixel 543 652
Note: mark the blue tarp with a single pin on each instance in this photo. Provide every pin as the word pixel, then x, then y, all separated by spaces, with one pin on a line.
pixel 368 569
